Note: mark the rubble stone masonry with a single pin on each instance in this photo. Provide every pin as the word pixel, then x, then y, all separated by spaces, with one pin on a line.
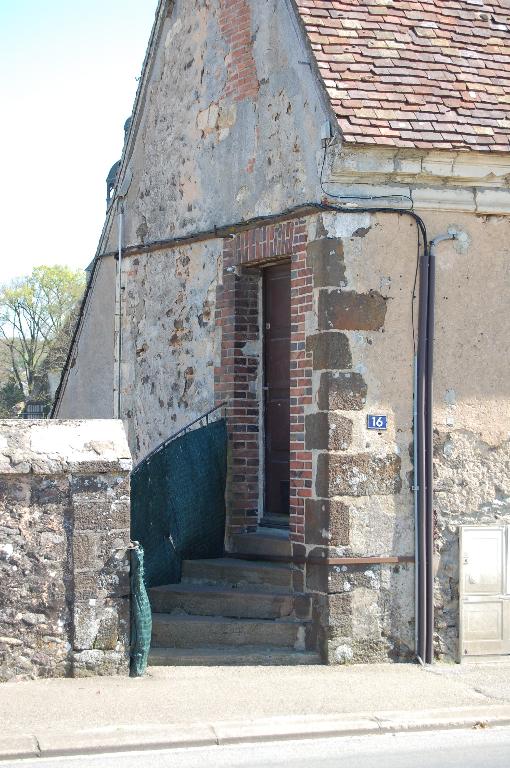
pixel 64 537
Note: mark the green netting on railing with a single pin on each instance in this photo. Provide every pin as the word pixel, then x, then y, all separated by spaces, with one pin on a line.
pixel 178 502
pixel 177 513
pixel 141 615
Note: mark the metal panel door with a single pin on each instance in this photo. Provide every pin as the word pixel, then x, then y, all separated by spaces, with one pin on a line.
pixel 482 560
pixel 486 626
pixel 484 594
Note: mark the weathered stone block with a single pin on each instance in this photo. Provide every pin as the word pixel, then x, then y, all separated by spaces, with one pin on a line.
pixel 345 650
pixel 52 490
pixel 99 625
pixel 361 474
pixel 342 390
pixel 325 258
pixel 87 586
pixel 85 550
pixel 99 512
pixel 108 631
pixel 326 522
pixel 97 662
pixel 15 490
pixel 340 613
pixel 381 599
pixel 330 351
pixel 316 578
pixel 327 431
pixel 99 483
pixel 351 311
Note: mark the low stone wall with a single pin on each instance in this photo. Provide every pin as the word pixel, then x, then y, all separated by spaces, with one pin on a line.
pixel 64 537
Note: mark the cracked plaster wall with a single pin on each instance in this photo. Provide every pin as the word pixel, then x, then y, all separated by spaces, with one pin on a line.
pixel 88 391
pixel 170 342
pixel 471 398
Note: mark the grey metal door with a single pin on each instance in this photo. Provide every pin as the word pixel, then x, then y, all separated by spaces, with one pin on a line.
pixel 484 590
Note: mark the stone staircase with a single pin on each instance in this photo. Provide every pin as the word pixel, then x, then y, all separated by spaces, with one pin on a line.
pixel 234 610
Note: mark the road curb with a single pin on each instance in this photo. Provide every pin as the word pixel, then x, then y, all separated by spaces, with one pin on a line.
pixel 154 737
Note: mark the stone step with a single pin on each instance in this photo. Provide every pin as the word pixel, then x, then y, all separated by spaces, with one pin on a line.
pixel 207 600
pixel 238 573
pixel 260 544
pixel 181 631
pixel 231 655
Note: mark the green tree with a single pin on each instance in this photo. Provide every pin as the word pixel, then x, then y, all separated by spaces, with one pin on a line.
pixel 35 312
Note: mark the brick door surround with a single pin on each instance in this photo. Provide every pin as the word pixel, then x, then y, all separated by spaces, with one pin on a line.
pixel 236 378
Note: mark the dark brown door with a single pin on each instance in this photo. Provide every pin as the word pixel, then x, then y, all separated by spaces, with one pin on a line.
pixel 277 390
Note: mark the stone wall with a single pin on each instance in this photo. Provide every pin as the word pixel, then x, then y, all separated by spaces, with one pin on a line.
pixel 192 317
pixel 360 505
pixel 242 141
pixel 361 337
pixel 64 537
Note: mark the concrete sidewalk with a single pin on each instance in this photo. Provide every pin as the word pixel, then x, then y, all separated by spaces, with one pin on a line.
pixel 178 706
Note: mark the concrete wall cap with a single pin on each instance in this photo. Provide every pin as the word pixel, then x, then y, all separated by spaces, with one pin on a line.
pixel 78 446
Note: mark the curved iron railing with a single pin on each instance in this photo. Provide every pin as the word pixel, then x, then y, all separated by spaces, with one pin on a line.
pixel 199 421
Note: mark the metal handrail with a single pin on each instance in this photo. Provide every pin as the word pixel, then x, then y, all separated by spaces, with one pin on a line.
pixel 181 431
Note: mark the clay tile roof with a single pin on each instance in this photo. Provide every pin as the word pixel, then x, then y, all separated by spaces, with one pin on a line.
pixel 409 73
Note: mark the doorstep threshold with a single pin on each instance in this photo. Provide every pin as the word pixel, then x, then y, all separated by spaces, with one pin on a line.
pixel 277 525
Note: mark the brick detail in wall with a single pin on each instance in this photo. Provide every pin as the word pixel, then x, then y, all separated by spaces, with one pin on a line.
pixel 237 314
pixel 236 383
pixel 301 476
pixel 235 27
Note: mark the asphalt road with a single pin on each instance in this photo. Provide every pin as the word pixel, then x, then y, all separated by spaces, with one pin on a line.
pixel 439 749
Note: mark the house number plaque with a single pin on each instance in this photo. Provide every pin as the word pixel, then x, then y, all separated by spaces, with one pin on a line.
pixel 377 422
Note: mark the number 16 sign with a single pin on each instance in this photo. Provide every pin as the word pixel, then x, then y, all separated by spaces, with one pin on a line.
pixel 377 422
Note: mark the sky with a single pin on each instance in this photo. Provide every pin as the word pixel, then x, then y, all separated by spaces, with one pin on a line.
pixel 69 72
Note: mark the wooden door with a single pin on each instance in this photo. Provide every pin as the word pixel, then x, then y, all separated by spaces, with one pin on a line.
pixel 277 391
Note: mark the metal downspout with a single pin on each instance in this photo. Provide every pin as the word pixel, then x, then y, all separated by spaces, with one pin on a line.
pixel 420 467
pixel 429 448
pixel 416 509
pixel 119 305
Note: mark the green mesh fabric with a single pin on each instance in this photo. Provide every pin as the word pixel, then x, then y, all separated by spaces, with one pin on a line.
pixel 178 502
pixel 141 616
